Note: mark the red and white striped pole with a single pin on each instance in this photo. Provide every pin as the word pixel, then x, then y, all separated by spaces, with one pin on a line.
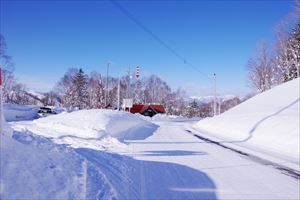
pixel 137 72
pixel 1 106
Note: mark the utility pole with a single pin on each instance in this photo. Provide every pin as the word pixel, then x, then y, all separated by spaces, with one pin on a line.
pixel 154 83
pixel 106 89
pixel 128 92
pixel 215 95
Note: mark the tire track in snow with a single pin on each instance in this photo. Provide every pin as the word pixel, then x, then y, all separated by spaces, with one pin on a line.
pixel 84 179
pixel 143 193
pixel 283 169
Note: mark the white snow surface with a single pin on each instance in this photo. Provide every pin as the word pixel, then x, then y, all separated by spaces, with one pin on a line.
pixel 15 112
pixel 170 164
pixel 268 122
pixel 104 154
pixel 96 128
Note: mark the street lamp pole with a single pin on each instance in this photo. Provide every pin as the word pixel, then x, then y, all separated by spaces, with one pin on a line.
pixel 215 95
pixel 119 93
pixel 106 91
pixel 128 92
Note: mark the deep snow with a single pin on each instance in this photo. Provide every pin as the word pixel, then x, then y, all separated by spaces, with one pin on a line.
pixel 96 129
pixel 102 154
pixel 268 123
pixel 170 164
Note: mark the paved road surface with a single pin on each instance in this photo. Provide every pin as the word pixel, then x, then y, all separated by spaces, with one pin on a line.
pixel 189 168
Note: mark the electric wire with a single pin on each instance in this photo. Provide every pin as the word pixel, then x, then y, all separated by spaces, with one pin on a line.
pixel 156 37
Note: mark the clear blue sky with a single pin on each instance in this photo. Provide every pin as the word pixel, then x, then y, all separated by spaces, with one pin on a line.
pixel 45 38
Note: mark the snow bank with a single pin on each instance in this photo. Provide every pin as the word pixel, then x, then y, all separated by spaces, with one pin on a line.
pixel 89 125
pixel 268 121
pixel 15 112
pixel 38 171
pixel 32 167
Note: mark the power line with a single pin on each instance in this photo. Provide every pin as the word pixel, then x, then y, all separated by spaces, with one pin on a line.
pixel 155 37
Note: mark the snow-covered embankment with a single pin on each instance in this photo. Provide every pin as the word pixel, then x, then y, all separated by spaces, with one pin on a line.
pixel 268 123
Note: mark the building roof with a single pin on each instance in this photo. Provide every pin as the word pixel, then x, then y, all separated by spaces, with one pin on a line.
pixel 140 108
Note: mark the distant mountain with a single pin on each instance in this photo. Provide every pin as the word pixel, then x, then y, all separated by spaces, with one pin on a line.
pixel 208 99
pixel 37 95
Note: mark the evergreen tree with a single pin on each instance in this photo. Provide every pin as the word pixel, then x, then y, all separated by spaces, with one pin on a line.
pixel 77 95
pixel 192 109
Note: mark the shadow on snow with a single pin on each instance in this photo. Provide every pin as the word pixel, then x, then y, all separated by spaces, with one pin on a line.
pixel 90 174
pixel 170 153
pixel 137 179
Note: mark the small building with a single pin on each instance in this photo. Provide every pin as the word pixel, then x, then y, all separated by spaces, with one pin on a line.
pixel 148 110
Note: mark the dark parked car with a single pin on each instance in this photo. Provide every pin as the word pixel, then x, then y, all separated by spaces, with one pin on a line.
pixel 45 111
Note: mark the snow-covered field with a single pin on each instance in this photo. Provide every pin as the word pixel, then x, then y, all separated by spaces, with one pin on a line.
pixel 104 154
pixel 267 123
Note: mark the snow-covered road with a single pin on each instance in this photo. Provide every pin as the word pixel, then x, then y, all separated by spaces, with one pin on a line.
pixel 189 168
pixel 170 164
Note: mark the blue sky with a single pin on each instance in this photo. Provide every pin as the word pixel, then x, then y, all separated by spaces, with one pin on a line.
pixel 45 38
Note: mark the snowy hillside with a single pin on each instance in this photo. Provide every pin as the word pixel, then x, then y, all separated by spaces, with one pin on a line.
pixel 268 121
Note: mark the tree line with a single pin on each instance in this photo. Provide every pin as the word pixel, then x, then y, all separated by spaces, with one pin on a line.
pixel 271 66
pixel 76 89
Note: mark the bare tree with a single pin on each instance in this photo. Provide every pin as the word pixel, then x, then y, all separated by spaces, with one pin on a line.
pixel 8 68
pixel 259 68
pixel 96 91
pixel 65 83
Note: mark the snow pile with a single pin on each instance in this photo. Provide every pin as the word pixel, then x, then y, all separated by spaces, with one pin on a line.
pixel 14 112
pixel 269 121
pixel 81 128
pixel 32 167
pixel 38 171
